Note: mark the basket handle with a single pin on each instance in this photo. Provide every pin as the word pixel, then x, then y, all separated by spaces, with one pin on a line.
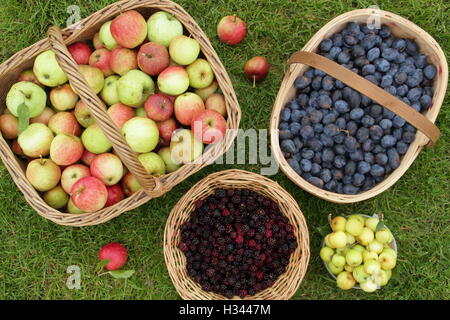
pixel 370 90
pixel 150 184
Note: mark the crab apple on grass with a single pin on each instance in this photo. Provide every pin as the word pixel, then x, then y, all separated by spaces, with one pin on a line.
pixel 115 253
pixel 35 141
pixel 89 194
pixel 129 29
pixel 108 168
pixel 72 174
pixel 120 114
pixel 345 280
pixel 159 107
pixel 115 195
pixel 64 123
pixel 256 69
pixel 338 224
pixel 43 174
pixel 231 30
pixel 153 58
pixel 216 102
pixel 101 58
pixel 187 106
pixel 9 126
pixel 44 117
pixel 209 126
pixel 326 254
pixel 66 150
pixel 173 81
pixel 123 60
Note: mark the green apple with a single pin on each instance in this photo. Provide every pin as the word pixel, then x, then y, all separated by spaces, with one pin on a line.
pixel 71 208
pixel 338 260
pixel 390 251
pixel 360 275
pixel 372 223
pixel 48 71
pixel 184 50
pixel 354 227
pixel 369 255
pixel 387 261
pixel 94 77
pixel 338 239
pixel 372 266
pixel 163 28
pixel 359 248
pixel 94 140
pixel 338 224
pixel 375 246
pixel 381 279
pixel 109 93
pixel 348 268
pixel 184 147
pixel 134 88
pixel 36 140
pixel 342 251
pixel 354 258
pixel 56 198
pixel 365 237
pixel 106 36
pixel 326 254
pixel 357 217
pixel 43 174
pixel 200 74
pixel 369 286
pixel 327 240
pixel 350 239
pixel 153 163
pixel 83 114
pixel 142 134
pixel 28 93
pixel 334 269
pixel 166 155
pixel 345 280
pixel 384 236
pixel 173 81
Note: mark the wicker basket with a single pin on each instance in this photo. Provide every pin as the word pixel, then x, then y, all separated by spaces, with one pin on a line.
pixel 85 30
pixel 288 283
pixel 427 132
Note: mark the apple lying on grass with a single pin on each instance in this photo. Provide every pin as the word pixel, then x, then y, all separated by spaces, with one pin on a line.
pixel 257 69
pixel 231 30
pixel 115 253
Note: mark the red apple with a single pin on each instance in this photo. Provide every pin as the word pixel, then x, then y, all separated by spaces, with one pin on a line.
pixel 115 253
pixel 123 60
pixel 88 157
pixel 209 126
pixel 28 75
pixel 72 174
pixel 101 58
pixel 256 69
pixel 121 113
pixel 166 129
pixel 129 29
pixel 98 44
pixel 66 150
pixel 115 195
pixel 159 107
pixel 44 117
pixel 9 126
pixel 64 123
pixel 153 58
pixel 187 106
pixel 231 30
pixel 216 102
pixel 108 168
pixel 89 194
pixel 80 52
pixel 15 147
pixel 130 184
pixel 63 98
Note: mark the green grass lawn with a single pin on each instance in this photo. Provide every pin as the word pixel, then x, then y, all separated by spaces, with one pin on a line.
pixel 35 253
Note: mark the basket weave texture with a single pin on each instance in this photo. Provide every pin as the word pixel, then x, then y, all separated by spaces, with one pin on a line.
pixel 400 27
pixel 84 30
pixel 286 285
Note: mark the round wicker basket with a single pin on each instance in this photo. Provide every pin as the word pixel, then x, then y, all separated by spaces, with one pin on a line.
pixel 400 27
pixel 288 283
pixel 82 31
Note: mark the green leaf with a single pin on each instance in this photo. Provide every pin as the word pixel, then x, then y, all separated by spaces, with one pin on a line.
pixel 24 117
pixel 121 274
pixel 380 226
pixel 102 263
pixel 324 230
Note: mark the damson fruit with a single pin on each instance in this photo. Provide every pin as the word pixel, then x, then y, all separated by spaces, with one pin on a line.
pixel 429 72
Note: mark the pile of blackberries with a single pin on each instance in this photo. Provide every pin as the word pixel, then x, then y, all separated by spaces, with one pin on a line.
pixel 340 140
pixel 237 242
